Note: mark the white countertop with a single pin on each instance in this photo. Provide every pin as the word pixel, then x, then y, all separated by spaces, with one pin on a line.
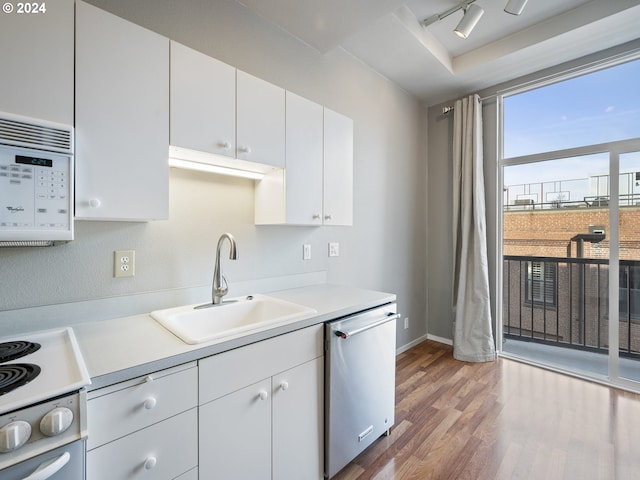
pixel 124 348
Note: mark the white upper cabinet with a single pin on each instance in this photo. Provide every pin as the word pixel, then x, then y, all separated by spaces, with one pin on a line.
pixel 220 110
pixel 37 62
pixel 338 169
pixel 316 188
pixel 260 121
pixel 304 161
pixel 203 102
pixel 122 119
pixel 294 196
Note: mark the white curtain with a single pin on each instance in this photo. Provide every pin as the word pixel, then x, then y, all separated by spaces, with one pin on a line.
pixel 472 327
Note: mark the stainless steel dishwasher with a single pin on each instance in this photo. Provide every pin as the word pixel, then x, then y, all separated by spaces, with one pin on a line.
pixel 359 384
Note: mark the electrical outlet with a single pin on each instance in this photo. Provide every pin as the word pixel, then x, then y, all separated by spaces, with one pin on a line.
pixel 306 251
pixel 334 249
pixel 124 263
pixel 406 322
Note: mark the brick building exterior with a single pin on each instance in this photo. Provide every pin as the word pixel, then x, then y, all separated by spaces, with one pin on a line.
pixel 565 300
pixel 548 232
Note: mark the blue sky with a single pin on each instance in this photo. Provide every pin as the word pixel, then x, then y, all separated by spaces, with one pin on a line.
pixel 595 108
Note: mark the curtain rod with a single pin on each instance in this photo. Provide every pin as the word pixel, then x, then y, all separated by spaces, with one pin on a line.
pixel 450 108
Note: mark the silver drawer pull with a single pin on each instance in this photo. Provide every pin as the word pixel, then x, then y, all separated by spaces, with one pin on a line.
pixel 349 333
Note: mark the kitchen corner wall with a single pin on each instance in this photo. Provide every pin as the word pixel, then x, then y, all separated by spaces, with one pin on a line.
pixel 440 190
pixel 440 213
pixel 384 250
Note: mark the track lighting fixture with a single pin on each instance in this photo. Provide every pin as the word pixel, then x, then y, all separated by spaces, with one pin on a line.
pixel 515 7
pixel 472 14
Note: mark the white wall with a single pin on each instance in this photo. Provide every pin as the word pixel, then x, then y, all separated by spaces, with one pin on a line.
pixel 384 250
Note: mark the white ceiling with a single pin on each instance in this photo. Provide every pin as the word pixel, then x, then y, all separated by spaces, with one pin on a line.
pixel 436 65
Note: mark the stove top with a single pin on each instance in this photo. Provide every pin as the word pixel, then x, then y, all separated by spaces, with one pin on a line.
pixel 16 349
pixel 42 365
pixel 15 375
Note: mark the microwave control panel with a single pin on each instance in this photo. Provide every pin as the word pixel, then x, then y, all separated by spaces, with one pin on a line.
pixel 36 193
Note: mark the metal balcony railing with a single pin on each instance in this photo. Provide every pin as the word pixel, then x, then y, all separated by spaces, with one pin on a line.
pixel 565 302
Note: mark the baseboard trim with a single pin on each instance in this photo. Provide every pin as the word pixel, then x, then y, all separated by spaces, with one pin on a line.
pixel 435 338
pixel 411 344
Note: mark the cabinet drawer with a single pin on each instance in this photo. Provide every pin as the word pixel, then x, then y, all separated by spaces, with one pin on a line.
pixel 162 451
pixel 140 403
pixel 230 371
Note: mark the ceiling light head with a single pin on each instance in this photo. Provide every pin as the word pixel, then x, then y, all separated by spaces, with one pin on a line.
pixel 515 7
pixel 471 16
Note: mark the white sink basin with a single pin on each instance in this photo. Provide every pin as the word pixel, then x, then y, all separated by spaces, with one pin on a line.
pixel 234 316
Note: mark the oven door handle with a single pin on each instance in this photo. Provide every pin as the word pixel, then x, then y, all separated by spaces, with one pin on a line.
pixel 349 333
pixel 49 468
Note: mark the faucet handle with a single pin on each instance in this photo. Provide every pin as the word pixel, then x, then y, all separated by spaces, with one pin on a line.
pixel 223 289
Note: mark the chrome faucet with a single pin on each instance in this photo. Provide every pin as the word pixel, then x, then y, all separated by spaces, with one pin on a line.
pixel 220 287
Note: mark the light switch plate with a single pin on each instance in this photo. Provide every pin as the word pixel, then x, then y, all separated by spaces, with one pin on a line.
pixel 334 249
pixel 306 251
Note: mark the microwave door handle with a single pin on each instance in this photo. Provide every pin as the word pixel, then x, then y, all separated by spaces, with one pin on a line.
pixel 349 333
pixel 49 468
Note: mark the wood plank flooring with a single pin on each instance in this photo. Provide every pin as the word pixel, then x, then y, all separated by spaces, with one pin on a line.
pixel 500 420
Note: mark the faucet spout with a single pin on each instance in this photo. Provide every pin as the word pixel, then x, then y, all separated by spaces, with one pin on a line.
pixel 219 286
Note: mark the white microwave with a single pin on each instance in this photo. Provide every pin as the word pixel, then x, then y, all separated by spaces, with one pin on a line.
pixel 36 182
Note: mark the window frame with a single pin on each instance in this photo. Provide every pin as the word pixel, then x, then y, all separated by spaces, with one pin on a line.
pixel 545 283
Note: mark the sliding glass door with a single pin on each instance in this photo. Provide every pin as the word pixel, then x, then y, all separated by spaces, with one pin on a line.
pixel 626 366
pixel 570 225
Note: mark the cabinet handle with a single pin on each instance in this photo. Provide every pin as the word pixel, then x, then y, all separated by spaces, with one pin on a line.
pixel 316 216
pixel 95 203
pixel 327 216
pixel 263 395
pixel 244 149
pixel 284 385
pixel 150 403
pixel 224 145
pixel 150 462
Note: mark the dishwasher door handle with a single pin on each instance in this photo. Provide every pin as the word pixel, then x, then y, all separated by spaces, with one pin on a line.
pixel 349 333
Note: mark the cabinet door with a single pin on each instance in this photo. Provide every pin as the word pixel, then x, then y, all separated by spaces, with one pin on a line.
pixel 203 102
pixel 37 62
pixel 260 121
pixel 304 161
pixel 235 435
pixel 298 422
pixel 338 169
pixel 294 196
pixel 122 118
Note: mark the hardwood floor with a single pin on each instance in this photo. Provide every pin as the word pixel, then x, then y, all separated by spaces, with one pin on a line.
pixel 500 420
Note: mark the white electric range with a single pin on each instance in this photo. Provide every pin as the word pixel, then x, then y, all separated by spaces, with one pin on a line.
pixel 42 406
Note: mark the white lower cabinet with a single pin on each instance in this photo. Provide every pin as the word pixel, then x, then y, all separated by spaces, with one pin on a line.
pixel 145 428
pixel 162 451
pixel 235 435
pixel 297 409
pixel 252 413
pixel 261 410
